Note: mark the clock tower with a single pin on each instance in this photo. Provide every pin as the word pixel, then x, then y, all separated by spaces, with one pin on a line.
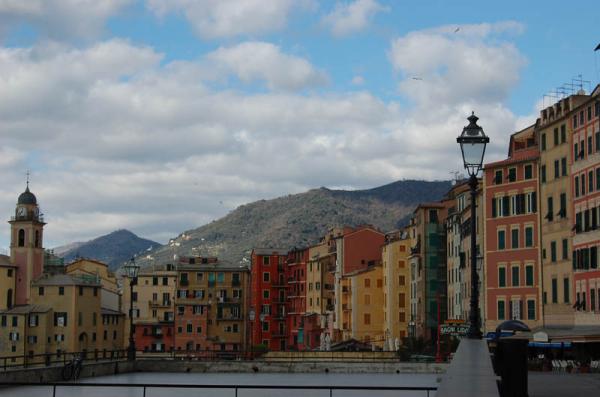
pixel 26 249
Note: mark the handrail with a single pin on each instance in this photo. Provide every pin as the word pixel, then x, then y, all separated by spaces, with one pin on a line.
pixel 46 359
pixel 146 386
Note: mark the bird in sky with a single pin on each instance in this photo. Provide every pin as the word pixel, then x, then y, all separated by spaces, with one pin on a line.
pixel 417 78
pixel 456 30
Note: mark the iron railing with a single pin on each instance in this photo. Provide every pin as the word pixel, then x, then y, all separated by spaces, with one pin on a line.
pixel 340 390
pixel 48 359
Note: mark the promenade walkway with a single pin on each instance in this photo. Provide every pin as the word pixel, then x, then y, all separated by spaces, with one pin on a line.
pixel 552 384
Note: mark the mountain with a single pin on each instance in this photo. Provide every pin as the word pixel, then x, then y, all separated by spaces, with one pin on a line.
pixel 63 249
pixel 300 220
pixel 112 249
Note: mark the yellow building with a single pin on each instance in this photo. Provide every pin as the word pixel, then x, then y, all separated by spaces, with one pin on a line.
pixel 24 331
pixel 7 282
pixel 556 136
pixel 366 303
pixel 211 304
pixel 110 296
pixel 154 307
pixel 396 287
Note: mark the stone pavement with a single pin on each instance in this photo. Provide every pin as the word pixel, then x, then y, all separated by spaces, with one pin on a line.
pixel 555 384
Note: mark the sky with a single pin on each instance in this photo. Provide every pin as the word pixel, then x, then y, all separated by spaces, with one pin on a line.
pixel 159 116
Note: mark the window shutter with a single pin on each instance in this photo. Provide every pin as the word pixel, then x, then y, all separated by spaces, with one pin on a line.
pixel 494 208
pixel 534 201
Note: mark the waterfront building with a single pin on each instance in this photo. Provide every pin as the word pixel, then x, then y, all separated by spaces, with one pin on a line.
pixel 427 261
pixel 154 307
pixel 356 249
pixel 268 283
pixel 555 141
pixel 396 286
pixel 210 305
pixel 458 237
pixel 512 256
pixel 318 319
pixel 296 301
pixel 585 183
pixel 8 278
pixel 364 305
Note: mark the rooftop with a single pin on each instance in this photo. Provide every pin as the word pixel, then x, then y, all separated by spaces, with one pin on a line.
pixel 67 279
pixel 26 309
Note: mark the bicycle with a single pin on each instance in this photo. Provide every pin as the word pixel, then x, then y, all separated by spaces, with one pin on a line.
pixel 72 369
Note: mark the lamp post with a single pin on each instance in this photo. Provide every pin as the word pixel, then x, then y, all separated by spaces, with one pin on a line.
pixel 251 317
pixel 131 269
pixel 472 145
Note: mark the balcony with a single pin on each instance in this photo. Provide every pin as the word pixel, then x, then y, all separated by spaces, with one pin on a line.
pixel 331 268
pixel 157 303
pixel 230 317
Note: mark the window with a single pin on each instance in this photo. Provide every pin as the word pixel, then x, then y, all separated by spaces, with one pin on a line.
pixel 556 169
pixel 266 277
pixel 565 249
pixel 265 260
pixel 41 291
pixel 582 183
pixel 165 281
pixel 220 277
pixel 576 152
pixel 529 275
pixel 550 214
pixel 528 236
pixel 501 239
pixel 266 294
pixel 543 141
pixel 597 178
pixel 367 319
pixel 553 251
pixel 60 319
pixel 591 181
pixel 590 146
pixel 514 238
pixel 501 277
pixel 34 320
pixel 367 282
pixel 512 174
pixel 563 205
pixel 515 276
pixel 154 280
pixel 528 171
pixel 530 309
pixel 498 177
pixel 597 139
pixel 265 326
pixel 576 186
pixel 189 328
pixel 592 299
pixel 556 136
pixel 563 166
pixel 543 173
pixel 501 310
pixel 81 292
pixel 530 202
pixel 563 134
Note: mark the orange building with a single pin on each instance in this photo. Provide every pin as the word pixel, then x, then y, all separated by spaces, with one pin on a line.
pixel 296 299
pixel 512 257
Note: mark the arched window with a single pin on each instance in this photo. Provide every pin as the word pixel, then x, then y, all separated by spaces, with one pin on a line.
pixel 37 239
pixel 9 299
pixel 21 238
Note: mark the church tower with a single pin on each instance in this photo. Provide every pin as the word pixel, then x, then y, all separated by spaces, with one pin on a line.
pixel 26 248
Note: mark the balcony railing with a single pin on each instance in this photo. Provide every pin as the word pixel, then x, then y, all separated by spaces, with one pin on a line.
pixel 157 303
pixel 230 317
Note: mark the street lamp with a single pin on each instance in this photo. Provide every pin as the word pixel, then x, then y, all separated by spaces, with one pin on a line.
pixel 131 269
pixel 472 145
pixel 251 317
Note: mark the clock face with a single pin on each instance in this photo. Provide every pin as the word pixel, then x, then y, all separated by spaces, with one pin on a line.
pixel 21 211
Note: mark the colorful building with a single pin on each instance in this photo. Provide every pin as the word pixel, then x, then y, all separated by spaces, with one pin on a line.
pixel 512 255
pixel 555 132
pixel 210 305
pixel 585 183
pixel 296 300
pixel 364 311
pixel 427 262
pixel 396 286
pixel 268 285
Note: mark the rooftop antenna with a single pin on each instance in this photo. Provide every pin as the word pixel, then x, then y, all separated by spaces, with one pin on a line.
pixel 579 82
pixel 28 179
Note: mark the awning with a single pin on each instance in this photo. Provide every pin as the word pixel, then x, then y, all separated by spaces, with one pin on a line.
pixel 551 345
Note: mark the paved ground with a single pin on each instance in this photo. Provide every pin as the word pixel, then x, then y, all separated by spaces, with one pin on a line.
pixel 554 384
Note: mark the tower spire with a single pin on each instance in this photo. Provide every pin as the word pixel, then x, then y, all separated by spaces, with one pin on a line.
pixel 27 188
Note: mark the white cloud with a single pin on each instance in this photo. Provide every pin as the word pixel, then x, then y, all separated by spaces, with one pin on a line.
pixel 262 61
pixel 228 18
pixel 61 19
pixel 348 18
pixel 116 138
pixel 358 80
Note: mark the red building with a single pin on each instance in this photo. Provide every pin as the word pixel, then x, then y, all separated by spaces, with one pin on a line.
pixel 296 299
pixel 153 337
pixel 268 285
pixel 585 184
pixel 512 263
